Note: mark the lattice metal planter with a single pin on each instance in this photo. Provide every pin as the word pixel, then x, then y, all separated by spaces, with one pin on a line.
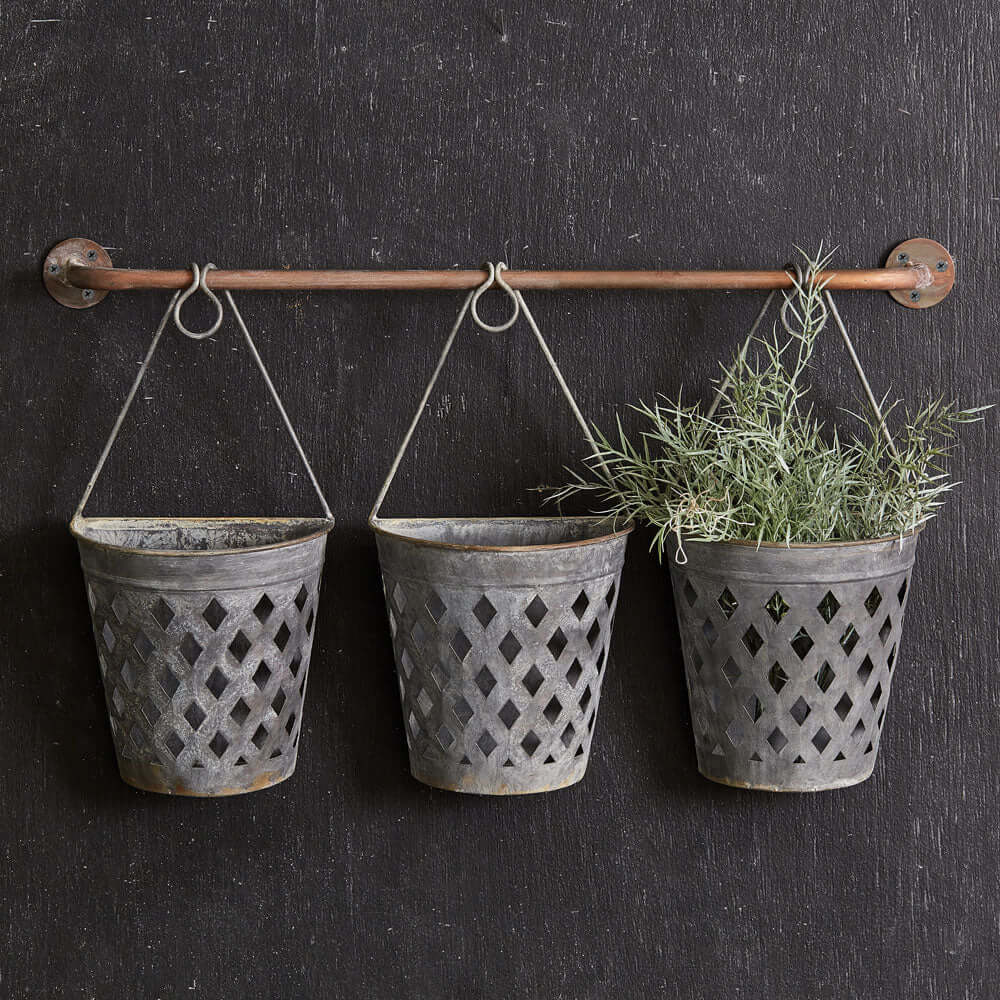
pixel 790 655
pixel 501 630
pixel 204 630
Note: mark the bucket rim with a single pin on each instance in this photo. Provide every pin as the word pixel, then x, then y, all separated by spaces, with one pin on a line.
pixel 379 526
pixel 78 523
pixel 771 546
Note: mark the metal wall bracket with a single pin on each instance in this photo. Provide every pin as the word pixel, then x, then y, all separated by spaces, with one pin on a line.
pixel 939 263
pixel 55 271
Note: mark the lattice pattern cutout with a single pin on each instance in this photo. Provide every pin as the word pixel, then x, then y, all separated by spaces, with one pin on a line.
pixel 196 681
pixel 795 675
pixel 508 676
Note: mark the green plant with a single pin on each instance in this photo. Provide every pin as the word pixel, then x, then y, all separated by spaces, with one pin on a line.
pixel 762 466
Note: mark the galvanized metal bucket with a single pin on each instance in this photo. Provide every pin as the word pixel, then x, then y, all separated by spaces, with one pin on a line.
pixel 204 630
pixel 790 653
pixel 501 630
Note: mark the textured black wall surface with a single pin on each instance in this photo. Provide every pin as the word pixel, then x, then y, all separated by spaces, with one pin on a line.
pixel 553 134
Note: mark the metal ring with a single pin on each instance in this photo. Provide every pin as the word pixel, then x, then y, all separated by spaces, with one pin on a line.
pixel 199 283
pixel 783 312
pixel 495 279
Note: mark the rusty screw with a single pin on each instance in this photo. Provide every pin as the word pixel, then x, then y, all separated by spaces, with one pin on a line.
pixel 88 294
pixel 914 296
pixel 902 257
pixel 942 265
pixel 91 255
pixel 53 268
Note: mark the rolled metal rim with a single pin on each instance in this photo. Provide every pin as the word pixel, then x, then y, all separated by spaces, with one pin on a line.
pixel 314 527
pixel 751 543
pixel 386 526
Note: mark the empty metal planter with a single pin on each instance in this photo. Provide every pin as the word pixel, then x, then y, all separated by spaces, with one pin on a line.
pixel 790 655
pixel 501 630
pixel 204 630
pixel 204 627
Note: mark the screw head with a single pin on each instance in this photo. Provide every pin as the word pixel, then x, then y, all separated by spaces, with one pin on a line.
pixel 942 265
pixel 902 257
pixel 53 268
pixel 914 296
pixel 91 255
pixel 88 293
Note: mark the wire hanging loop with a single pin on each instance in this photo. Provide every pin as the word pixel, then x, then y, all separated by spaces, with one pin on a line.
pixel 495 278
pixel 198 282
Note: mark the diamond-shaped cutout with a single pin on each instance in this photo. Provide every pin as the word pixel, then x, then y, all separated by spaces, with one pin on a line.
pixel 463 711
pixel 536 611
pixel 486 743
pixel 259 737
pixel 800 710
pixel 734 732
pixel 821 740
pixel 752 640
pixel 859 731
pixel 263 608
pixel 574 672
pixel 901 594
pixel 485 681
pixel 398 598
pixel 828 607
pixel 594 634
pixel 217 682
pixel 460 645
pixel 484 611
pixel 530 743
pixel 120 607
pixel 440 676
pixel 865 669
pixel 174 744
pixel 195 715
pixel 118 701
pixel 190 649
pixel 727 602
pixel 303 595
pixel 509 714
pixel 731 671
pixel 214 614
pixel 290 724
pixel 262 675
pixel 876 695
pixel 162 614
pixel 552 710
pixel 557 643
pixel 690 594
pixel 891 659
pixel 825 677
pixel 218 744
pixel 150 711
pixel 240 646
pixel 435 608
pixel 609 597
pixel 696 661
pixel 778 740
pixel 445 737
pixel 776 607
pixel 168 682
pixel 844 706
pixel 143 646
pixel 406 663
pixel 753 708
pixel 128 675
pixel 509 647
pixel 585 699
pixel 240 712
pixel 581 604
pixel 777 677
pixel 802 643
pixel 282 636
pixel 873 601
pixel 278 702
pixel 885 631
pixel 567 735
pixel 424 701
pixel 533 680
pixel 109 636
pixel 849 639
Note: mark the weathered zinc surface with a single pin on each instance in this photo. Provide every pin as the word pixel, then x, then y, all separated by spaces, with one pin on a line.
pixel 555 134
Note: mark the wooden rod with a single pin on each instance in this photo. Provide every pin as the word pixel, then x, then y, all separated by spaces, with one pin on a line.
pixel 117 279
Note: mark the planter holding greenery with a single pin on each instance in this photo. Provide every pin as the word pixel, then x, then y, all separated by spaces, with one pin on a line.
pixel 792 547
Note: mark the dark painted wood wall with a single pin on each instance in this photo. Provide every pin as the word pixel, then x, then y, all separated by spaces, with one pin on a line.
pixel 554 134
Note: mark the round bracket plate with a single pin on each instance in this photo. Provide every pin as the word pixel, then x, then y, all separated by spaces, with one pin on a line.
pixel 74 251
pixel 940 266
